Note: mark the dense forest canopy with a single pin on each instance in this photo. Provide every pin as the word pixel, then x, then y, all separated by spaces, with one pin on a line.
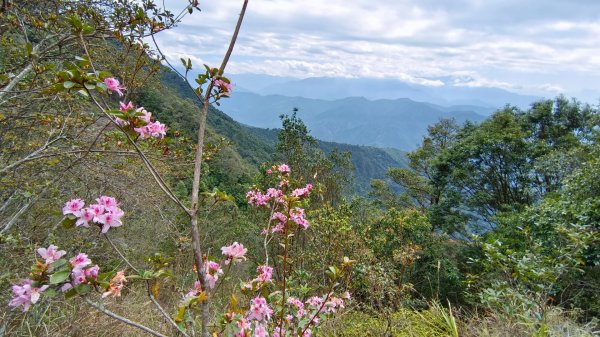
pixel 487 229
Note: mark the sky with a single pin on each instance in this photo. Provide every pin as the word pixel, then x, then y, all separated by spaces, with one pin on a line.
pixel 539 47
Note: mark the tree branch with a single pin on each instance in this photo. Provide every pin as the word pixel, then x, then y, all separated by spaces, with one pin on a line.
pixel 121 318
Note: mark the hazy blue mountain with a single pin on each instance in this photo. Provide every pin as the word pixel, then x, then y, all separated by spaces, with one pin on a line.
pixel 399 123
pixel 377 88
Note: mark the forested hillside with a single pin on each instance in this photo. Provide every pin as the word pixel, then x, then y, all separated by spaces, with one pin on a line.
pixel 257 145
pixel 130 205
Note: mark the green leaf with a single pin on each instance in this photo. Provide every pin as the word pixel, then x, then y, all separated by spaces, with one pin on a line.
pixel 101 86
pixel 70 293
pixel 104 74
pixel 68 84
pixel 83 289
pixel 50 293
pixel 83 93
pixel 59 277
pixel 87 29
pixel 58 263
pixel 89 85
pixel 68 222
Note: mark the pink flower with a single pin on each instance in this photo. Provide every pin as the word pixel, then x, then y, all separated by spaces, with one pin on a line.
pixel 66 287
pixel 225 87
pixel 302 192
pixel 108 202
pixel 143 131
pixel 157 129
pixel 277 228
pixel 269 171
pixel 25 295
pixel 283 168
pixel 112 218
pixel 50 254
pixel 274 193
pixel 243 325
pixel 124 107
pixel 213 270
pixel 193 293
pixel 92 272
pixel 80 261
pixel 234 253
pixel 256 198
pixel 315 301
pixel 297 216
pixel 295 302
pixel 145 115
pixel 112 84
pixel 264 273
pixel 333 304
pixel 279 217
pixel 259 309
pixel 73 206
pixel 78 276
pixel 260 330
pixel 96 209
pixel 85 216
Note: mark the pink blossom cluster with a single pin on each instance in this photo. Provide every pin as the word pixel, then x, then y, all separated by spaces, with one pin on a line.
pixel 225 88
pixel 282 168
pixel 256 319
pixel 25 294
pixel 104 213
pixel 257 198
pixel 234 253
pixel 259 309
pixel 264 273
pixel 213 270
pixel 28 291
pixel 281 221
pixel 81 273
pixel 298 216
pixel 141 121
pixel 112 84
pixel 50 254
pixel 302 192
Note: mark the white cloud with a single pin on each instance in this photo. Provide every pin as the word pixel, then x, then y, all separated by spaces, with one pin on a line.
pixel 521 46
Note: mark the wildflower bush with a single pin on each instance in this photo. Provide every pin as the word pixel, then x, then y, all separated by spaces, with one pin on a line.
pixel 268 304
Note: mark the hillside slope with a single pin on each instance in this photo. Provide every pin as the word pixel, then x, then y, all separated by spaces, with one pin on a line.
pixel 257 145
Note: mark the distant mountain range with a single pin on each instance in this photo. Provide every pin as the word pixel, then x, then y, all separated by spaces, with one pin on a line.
pixel 379 88
pixel 385 123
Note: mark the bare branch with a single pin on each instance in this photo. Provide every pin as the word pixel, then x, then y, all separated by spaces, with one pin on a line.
pixel 121 318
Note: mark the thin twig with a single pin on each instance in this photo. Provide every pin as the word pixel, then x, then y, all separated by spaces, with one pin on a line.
pixel 120 254
pixel 121 318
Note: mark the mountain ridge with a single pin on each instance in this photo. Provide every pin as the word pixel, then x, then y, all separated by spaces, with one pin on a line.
pixel 396 123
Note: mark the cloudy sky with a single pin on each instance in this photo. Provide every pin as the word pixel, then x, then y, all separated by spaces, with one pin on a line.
pixel 541 47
